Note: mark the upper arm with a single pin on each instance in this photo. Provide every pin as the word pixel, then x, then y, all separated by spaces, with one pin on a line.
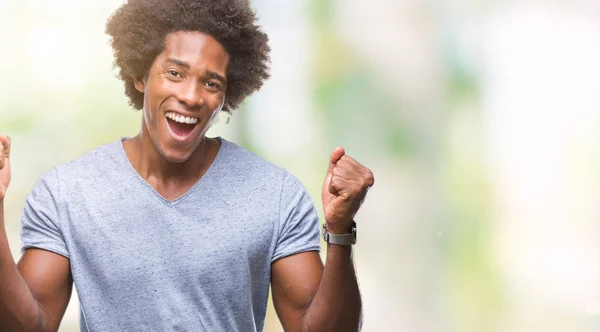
pixel 294 282
pixel 48 276
pixel 46 272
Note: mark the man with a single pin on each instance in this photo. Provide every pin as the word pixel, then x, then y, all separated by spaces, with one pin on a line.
pixel 174 231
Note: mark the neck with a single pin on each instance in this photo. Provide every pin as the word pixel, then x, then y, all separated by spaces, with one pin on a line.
pixel 154 168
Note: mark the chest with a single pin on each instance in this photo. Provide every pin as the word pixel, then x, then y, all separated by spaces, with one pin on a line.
pixel 128 241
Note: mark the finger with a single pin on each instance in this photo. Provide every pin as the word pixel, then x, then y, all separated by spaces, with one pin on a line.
pixel 350 165
pixel 340 186
pixel 370 178
pixel 349 168
pixel 337 153
pixel 347 162
pixel 347 173
pixel 7 149
pixel 333 185
pixel 5 141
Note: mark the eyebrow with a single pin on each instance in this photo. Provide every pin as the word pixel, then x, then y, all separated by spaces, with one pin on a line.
pixel 216 76
pixel 179 62
pixel 209 73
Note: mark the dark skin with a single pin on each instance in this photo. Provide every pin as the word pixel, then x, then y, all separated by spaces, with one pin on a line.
pixel 188 78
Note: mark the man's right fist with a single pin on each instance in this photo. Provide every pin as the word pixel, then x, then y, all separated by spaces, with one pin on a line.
pixel 4 164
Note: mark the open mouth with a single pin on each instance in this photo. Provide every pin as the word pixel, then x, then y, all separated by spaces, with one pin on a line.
pixel 181 125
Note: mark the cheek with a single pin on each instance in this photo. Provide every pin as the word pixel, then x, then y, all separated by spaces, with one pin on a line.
pixel 147 109
pixel 153 94
pixel 217 102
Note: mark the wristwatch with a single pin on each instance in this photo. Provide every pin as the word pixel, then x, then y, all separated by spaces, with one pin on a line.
pixel 340 239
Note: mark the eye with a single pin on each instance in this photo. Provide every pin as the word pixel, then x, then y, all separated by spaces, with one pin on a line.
pixel 174 73
pixel 212 86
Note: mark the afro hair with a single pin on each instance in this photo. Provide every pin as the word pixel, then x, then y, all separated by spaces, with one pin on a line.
pixel 138 30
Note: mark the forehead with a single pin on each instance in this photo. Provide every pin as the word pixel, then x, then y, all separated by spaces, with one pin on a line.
pixel 197 49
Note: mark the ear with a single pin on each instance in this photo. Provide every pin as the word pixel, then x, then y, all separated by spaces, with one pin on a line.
pixel 140 84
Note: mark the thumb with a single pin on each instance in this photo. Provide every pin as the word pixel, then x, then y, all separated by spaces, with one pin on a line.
pixel 336 155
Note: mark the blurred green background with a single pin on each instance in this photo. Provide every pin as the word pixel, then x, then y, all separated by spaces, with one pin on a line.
pixel 480 120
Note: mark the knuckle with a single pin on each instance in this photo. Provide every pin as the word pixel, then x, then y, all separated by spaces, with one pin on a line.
pixel 335 172
pixel 333 180
pixel 336 180
pixel 370 177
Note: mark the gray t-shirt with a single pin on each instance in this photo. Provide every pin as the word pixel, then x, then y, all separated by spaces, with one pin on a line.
pixel 143 263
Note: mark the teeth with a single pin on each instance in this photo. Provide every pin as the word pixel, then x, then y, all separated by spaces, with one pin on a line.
pixel 180 118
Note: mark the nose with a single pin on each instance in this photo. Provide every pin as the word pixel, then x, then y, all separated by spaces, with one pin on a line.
pixel 190 94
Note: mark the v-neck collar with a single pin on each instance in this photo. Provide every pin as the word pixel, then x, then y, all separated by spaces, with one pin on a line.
pixel 178 200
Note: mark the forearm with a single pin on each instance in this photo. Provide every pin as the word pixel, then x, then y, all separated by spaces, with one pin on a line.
pixel 19 310
pixel 336 305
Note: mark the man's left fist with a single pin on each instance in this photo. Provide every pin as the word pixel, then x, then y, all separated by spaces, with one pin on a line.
pixel 344 190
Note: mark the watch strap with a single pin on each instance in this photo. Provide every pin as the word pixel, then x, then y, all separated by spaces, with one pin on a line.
pixel 340 239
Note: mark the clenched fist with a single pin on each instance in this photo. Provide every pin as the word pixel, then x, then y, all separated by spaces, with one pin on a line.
pixel 4 165
pixel 344 190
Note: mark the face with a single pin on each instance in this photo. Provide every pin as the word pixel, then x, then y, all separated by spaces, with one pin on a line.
pixel 183 93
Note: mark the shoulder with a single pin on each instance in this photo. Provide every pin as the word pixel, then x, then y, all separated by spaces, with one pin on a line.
pixel 92 165
pixel 100 158
pixel 241 163
pixel 247 167
pixel 51 183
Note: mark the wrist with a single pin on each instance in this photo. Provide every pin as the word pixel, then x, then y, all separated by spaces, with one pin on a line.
pixel 345 228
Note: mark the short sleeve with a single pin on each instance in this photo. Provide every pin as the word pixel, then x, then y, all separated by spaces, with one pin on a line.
pixel 41 218
pixel 298 220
